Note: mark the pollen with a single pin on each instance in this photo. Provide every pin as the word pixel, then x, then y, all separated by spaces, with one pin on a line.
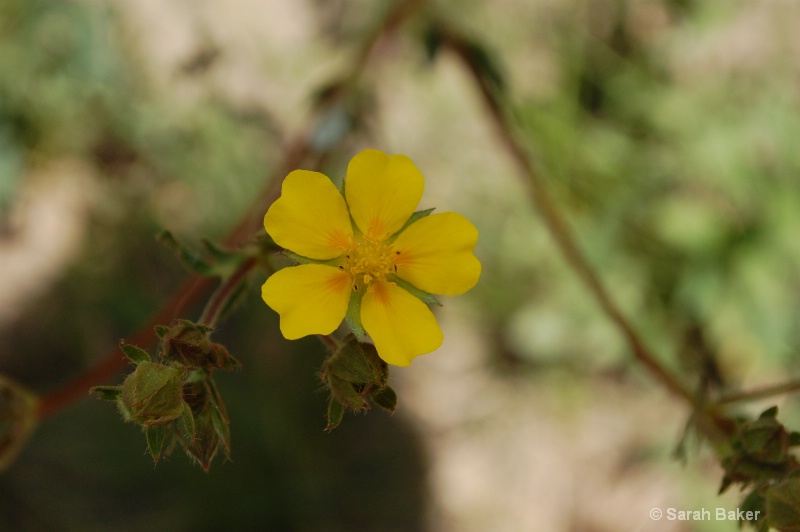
pixel 369 260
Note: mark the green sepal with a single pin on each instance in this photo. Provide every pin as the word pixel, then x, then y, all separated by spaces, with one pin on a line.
pixel 134 354
pixel 107 393
pixel 353 316
pixel 344 392
pixel 783 505
pixel 219 417
pixel 299 259
pixel 353 363
pixel 335 414
pixel 223 431
pixel 765 439
pixel 425 297
pixel 414 217
pixel 161 330
pixel 152 394
pixel 386 399
pixel 380 369
pixel 187 421
pixel 769 413
pixel 205 443
pixel 155 440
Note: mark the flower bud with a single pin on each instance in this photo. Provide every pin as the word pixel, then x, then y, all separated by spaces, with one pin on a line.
pixel 152 394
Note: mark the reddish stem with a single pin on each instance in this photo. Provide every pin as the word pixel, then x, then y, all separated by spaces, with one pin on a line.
pixel 113 361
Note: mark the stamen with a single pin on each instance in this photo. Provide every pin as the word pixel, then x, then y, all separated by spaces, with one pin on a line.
pixel 369 261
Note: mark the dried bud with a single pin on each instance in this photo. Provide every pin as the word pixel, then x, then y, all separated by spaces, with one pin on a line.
pixel 189 344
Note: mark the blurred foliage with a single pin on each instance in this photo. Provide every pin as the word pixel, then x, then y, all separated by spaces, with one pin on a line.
pixel 681 185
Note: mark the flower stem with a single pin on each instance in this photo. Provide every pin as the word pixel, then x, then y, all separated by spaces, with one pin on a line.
pixel 329 342
pixel 222 297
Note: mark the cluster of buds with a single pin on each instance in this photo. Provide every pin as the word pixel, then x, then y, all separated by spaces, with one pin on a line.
pixel 759 456
pixel 175 399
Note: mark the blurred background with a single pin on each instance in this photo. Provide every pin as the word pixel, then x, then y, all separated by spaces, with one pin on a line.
pixel 666 130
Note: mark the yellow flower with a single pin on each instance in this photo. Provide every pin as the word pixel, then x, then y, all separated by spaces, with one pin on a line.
pixel 365 258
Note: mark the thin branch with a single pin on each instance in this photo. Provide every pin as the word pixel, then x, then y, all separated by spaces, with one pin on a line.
pixel 759 393
pixel 226 291
pixel 558 227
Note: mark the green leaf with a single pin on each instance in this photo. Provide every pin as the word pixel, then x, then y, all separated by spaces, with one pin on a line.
pixel 134 354
pixel 224 262
pixel 107 393
pixel 217 253
pixel 191 260
pixel 155 440
pixel 783 505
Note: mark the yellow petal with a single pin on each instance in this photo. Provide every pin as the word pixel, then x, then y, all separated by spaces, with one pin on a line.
pixel 435 254
pixel 310 218
pixel 382 192
pixel 401 325
pixel 310 298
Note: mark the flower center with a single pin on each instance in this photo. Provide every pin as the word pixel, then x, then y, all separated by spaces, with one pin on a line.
pixel 369 260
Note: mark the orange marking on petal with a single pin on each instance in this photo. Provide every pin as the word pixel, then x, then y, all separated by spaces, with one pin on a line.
pixel 338 283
